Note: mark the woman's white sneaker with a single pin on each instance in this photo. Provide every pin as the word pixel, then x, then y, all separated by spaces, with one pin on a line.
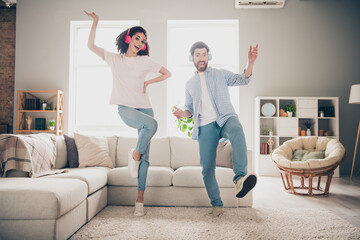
pixel 139 209
pixel 133 165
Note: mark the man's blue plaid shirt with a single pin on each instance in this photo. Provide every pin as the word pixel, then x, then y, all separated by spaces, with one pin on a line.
pixel 217 81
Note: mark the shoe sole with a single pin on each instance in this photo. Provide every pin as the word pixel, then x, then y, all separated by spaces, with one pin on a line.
pixel 249 183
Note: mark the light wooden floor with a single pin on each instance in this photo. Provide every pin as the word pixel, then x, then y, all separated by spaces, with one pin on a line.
pixel 343 200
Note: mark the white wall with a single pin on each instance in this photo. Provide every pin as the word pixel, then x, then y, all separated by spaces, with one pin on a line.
pixel 308 48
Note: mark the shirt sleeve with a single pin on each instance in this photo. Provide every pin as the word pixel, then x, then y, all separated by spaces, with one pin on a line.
pixel 233 79
pixel 110 58
pixel 188 102
pixel 151 65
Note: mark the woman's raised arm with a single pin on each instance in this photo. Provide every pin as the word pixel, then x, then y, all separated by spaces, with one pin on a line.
pixel 91 42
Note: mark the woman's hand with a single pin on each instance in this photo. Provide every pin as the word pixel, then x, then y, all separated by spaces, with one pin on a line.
pixel 92 15
pixel 164 75
pixel 146 83
pixel 91 41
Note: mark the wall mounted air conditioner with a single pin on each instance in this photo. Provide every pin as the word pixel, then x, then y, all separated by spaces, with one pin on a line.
pixel 259 4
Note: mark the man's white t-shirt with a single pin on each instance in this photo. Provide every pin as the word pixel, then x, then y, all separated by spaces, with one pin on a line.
pixel 207 113
pixel 129 75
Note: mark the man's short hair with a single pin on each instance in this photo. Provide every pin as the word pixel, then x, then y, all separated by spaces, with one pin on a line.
pixel 198 45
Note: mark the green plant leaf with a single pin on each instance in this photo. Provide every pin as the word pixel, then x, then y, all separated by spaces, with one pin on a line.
pixel 184 127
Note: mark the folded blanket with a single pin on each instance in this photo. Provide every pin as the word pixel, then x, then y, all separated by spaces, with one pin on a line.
pixel 34 154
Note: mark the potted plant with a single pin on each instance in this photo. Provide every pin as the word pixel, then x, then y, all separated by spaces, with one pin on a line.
pixel 290 109
pixel 185 125
pixel 43 103
pixel 308 126
pixel 52 124
pixel 321 114
pixel 270 131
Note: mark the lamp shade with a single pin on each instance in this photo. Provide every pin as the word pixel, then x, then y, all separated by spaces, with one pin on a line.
pixel 355 94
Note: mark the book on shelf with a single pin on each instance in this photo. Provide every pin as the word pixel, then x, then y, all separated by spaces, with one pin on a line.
pixel 264 148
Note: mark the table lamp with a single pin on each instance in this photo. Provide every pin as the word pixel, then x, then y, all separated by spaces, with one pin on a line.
pixel 355 99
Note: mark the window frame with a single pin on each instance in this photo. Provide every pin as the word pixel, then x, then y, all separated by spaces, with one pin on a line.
pixel 75 26
pixel 233 23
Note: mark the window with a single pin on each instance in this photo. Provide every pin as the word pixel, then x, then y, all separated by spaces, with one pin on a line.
pixel 90 80
pixel 222 38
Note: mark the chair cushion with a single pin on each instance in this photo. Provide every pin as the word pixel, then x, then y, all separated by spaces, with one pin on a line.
pixel 303 155
pixel 94 177
pixel 156 177
pixel 192 177
pixel 159 151
pixel 334 152
pixel 39 198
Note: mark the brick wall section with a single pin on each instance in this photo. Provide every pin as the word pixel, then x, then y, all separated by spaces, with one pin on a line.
pixel 7 63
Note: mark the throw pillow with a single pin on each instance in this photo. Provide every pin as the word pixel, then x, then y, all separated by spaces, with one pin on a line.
pixel 93 151
pixel 224 154
pixel 303 155
pixel 71 152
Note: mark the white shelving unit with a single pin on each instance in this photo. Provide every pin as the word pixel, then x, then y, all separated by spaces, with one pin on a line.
pixel 286 128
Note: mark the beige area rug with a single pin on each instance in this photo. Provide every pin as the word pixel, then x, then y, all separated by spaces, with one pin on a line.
pixel 116 222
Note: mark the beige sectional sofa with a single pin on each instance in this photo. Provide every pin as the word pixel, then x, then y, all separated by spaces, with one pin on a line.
pixel 56 206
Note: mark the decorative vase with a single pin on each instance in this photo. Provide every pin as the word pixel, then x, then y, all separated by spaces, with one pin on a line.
pixel 308 132
pixel 43 106
pixel 290 114
pixel 321 114
pixel 29 121
pixel 52 106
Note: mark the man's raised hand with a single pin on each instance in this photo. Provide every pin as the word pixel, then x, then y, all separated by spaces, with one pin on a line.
pixel 253 53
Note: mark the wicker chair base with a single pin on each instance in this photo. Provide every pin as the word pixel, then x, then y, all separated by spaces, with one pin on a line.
pixel 288 173
pixel 287 179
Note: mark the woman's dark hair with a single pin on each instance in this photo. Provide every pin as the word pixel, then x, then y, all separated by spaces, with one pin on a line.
pixel 198 45
pixel 122 46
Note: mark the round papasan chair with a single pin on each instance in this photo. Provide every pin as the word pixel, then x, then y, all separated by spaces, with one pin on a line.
pixel 320 157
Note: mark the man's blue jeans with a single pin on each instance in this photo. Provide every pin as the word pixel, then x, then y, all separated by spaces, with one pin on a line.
pixel 143 120
pixel 209 136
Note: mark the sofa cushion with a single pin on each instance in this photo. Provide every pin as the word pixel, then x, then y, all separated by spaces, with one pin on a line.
pixel 39 198
pixel 112 144
pixel 180 149
pixel 224 154
pixel 61 158
pixel 71 152
pixel 192 177
pixel 94 177
pixel 156 177
pixel 159 151
pixel 93 151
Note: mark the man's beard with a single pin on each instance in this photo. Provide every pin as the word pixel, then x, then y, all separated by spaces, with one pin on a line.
pixel 201 69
